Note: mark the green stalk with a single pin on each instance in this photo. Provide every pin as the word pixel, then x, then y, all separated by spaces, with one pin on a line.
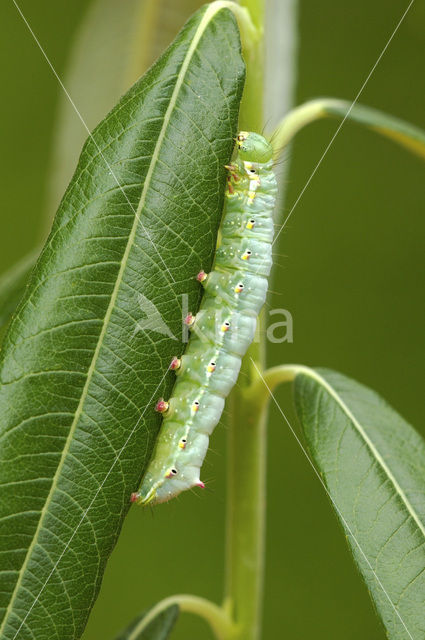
pixel 251 110
pixel 246 514
pixel 222 627
pixel 247 430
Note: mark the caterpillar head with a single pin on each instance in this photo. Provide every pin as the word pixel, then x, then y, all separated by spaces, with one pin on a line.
pixel 253 147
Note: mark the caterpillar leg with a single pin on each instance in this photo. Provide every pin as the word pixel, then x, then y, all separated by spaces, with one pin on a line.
pixel 138 497
pixel 233 172
pixel 157 494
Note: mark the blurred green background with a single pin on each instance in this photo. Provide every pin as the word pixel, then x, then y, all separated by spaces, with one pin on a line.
pixel 351 273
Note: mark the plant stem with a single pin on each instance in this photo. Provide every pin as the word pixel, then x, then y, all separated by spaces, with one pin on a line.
pixel 247 429
pixel 251 109
pixel 276 375
pixel 218 620
pixel 250 17
pixel 247 494
pixel 246 514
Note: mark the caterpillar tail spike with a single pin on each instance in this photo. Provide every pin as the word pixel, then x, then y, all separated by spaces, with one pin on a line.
pixel 234 293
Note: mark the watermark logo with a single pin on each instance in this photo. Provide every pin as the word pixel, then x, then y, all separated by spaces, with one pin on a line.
pixel 283 331
pixel 152 321
pixel 279 323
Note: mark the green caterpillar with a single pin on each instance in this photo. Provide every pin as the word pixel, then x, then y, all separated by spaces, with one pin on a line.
pixel 222 330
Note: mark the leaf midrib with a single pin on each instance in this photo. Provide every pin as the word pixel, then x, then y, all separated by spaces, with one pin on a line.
pixel 313 374
pixel 208 15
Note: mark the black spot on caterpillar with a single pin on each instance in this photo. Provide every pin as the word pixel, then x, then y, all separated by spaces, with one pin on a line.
pixel 224 327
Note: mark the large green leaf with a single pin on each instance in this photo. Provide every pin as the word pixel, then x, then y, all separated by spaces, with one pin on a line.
pixel 373 465
pixel 158 629
pixel 82 364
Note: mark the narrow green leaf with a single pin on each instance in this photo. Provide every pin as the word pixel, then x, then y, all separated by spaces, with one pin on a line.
pixel 403 133
pixel 373 464
pixel 159 629
pixel 83 360
pixel 12 285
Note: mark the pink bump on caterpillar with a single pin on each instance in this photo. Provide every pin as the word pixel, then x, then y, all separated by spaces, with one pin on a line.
pixel 200 484
pixel 162 406
pixel 189 320
pixel 202 276
pixel 134 496
pixel 175 364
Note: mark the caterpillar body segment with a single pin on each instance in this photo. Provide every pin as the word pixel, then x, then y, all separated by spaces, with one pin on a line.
pixel 223 328
pixel 229 286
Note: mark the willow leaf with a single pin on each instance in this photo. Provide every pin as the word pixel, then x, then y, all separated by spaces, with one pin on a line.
pixel 403 133
pixel 83 361
pixel 373 465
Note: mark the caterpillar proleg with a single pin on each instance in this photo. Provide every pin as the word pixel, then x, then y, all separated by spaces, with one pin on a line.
pixel 223 328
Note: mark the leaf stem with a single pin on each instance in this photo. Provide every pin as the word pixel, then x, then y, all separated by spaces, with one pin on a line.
pixel 403 133
pixel 220 623
pixel 282 373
